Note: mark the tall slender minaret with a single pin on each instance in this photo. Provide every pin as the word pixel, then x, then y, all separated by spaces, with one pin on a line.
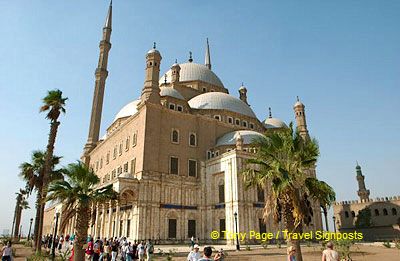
pixel 299 110
pixel 207 60
pixel 101 74
pixel 362 192
pixel 151 88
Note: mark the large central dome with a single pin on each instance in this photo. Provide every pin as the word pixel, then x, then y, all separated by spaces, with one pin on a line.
pixel 220 101
pixel 194 72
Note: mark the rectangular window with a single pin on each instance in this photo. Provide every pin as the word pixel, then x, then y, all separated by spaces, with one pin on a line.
pixel 192 168
pixel 244 123
pixel 192 139
pixel 119 171
pixel 172 106
pixel 115 152
pixel 120 148
pixel 230 120
pixel 113 174
pixel 133 166
pixel 175 136
pixel 262 226
pixel 174 165
pixel 134 139
pixel 221 193
pixel 171 228
pixel 101 162
pixel 260 195
pixel 191 228
pixel 128 228
pixel 97 165
pixel 251 126
pixel 222 226
pixel 217 117
pixel 237 121
pixel 208 154
pixel 126 167
pixel 127 144
pixel 108 158
pixel 180 108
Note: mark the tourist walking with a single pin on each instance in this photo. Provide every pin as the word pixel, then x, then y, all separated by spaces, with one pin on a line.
pixel 149 250
pixel 291 253
pixel 207 252
pixel 329 254
pixel 220 256
pixel 140 251
pixel 6 252
pixel 114 250
pixel 194 255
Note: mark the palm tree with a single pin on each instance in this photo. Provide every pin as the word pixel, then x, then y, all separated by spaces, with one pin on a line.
pixel 32 173
pixel 79 192
pixel 54 105
pixel 323 193
pixel 281 164
pixel 21 204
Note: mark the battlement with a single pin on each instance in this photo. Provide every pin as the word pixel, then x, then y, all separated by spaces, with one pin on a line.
pixel 383 199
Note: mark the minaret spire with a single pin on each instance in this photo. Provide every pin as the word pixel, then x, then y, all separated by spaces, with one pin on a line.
pixel 101 74
pixel 270 113
pixel 207 59
pixel 362 192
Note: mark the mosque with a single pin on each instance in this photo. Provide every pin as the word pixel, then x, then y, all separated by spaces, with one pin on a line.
pixel 175 155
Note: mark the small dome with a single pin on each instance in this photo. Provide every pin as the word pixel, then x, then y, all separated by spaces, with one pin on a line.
pixel 274 123
pixel 169 91
pixel 298 103
pixel 128 110
pixel 220 101
pixel 194 72
pixel 229 138
pixel 153 50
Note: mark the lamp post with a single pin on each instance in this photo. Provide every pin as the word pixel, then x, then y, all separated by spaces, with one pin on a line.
pixel 53 248
pixel 237 232
pixel 334 223
pixel 30 227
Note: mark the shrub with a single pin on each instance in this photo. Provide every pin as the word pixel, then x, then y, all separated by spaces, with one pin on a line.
pixel 397 243
pixel 387 244
pixel 248 248
pixel 343 248
pixel 264 244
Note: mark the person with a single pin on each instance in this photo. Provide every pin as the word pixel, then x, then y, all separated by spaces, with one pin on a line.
pixel 107 251
pixel 192 242
pixel 149 250
pixel 140 251
pixel 207 252
pixel 194 255
pixel 89 250
pixel 291 253
pixel 329 254
pixel 96 251
pixel 6 252
pixel 114 250
pixel 134 250
pixel 220 256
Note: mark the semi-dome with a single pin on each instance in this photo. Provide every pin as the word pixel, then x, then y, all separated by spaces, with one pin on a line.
pixel 274 123
pixel 193 72
pixel 169 91
pixel 221 101
pixel 128 110
pixel 229 138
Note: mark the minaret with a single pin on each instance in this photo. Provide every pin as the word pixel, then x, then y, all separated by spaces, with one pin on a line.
pixel 101 74
pixel 243 94
pixel 175 71
pixel 207 60
pixel 300 118
pixel 239 142
pixel 151 89
pixel 362 192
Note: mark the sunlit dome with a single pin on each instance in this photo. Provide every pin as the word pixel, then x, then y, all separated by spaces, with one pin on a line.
pixel 274 123
pixel 193 72
pixel 128 110
pixel 169 91
pixel 221 101
pixel 229 138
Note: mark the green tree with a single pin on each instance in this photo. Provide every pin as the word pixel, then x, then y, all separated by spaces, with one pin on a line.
pixel 364 218
pixel 280 164
pixel 79 191
pixel 20 205
pixel 54 105
pixel 32 173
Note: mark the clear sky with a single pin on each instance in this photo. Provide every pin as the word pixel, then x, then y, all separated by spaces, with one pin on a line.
pixel 341 57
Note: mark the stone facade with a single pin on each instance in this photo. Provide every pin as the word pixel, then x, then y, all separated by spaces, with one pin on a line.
pixel 176 156
pixel 378 219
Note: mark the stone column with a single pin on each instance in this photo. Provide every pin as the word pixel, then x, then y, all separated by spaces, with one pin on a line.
pixel 117 219
pixel 103 221
pixel 109 235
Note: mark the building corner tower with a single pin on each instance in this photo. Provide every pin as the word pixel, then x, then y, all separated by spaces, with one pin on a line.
pixel 362 192
pixel 101 74
pixel 299 110
pixel 151 88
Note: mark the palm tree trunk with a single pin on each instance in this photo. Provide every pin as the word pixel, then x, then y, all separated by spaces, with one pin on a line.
pixel 17 222
pixel 13 225
pixel 82 224
pixel 47 169
pixel 290 226
pixel 37 220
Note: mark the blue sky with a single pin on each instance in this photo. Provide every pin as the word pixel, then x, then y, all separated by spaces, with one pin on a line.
pixel 341 57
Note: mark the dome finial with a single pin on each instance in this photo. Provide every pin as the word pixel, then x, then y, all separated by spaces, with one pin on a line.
pixel 154 45
pixel 176 60
pixel 190 57
pixel 297 97
pixel 270 113
pixel 165 78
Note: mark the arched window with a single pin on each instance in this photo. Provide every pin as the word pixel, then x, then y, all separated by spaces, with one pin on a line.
pixel 353 214
pixel 385 212
pixel 192 139
pixel 376 212
pixel 346 214
pixel 175 136
pixel 394 211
